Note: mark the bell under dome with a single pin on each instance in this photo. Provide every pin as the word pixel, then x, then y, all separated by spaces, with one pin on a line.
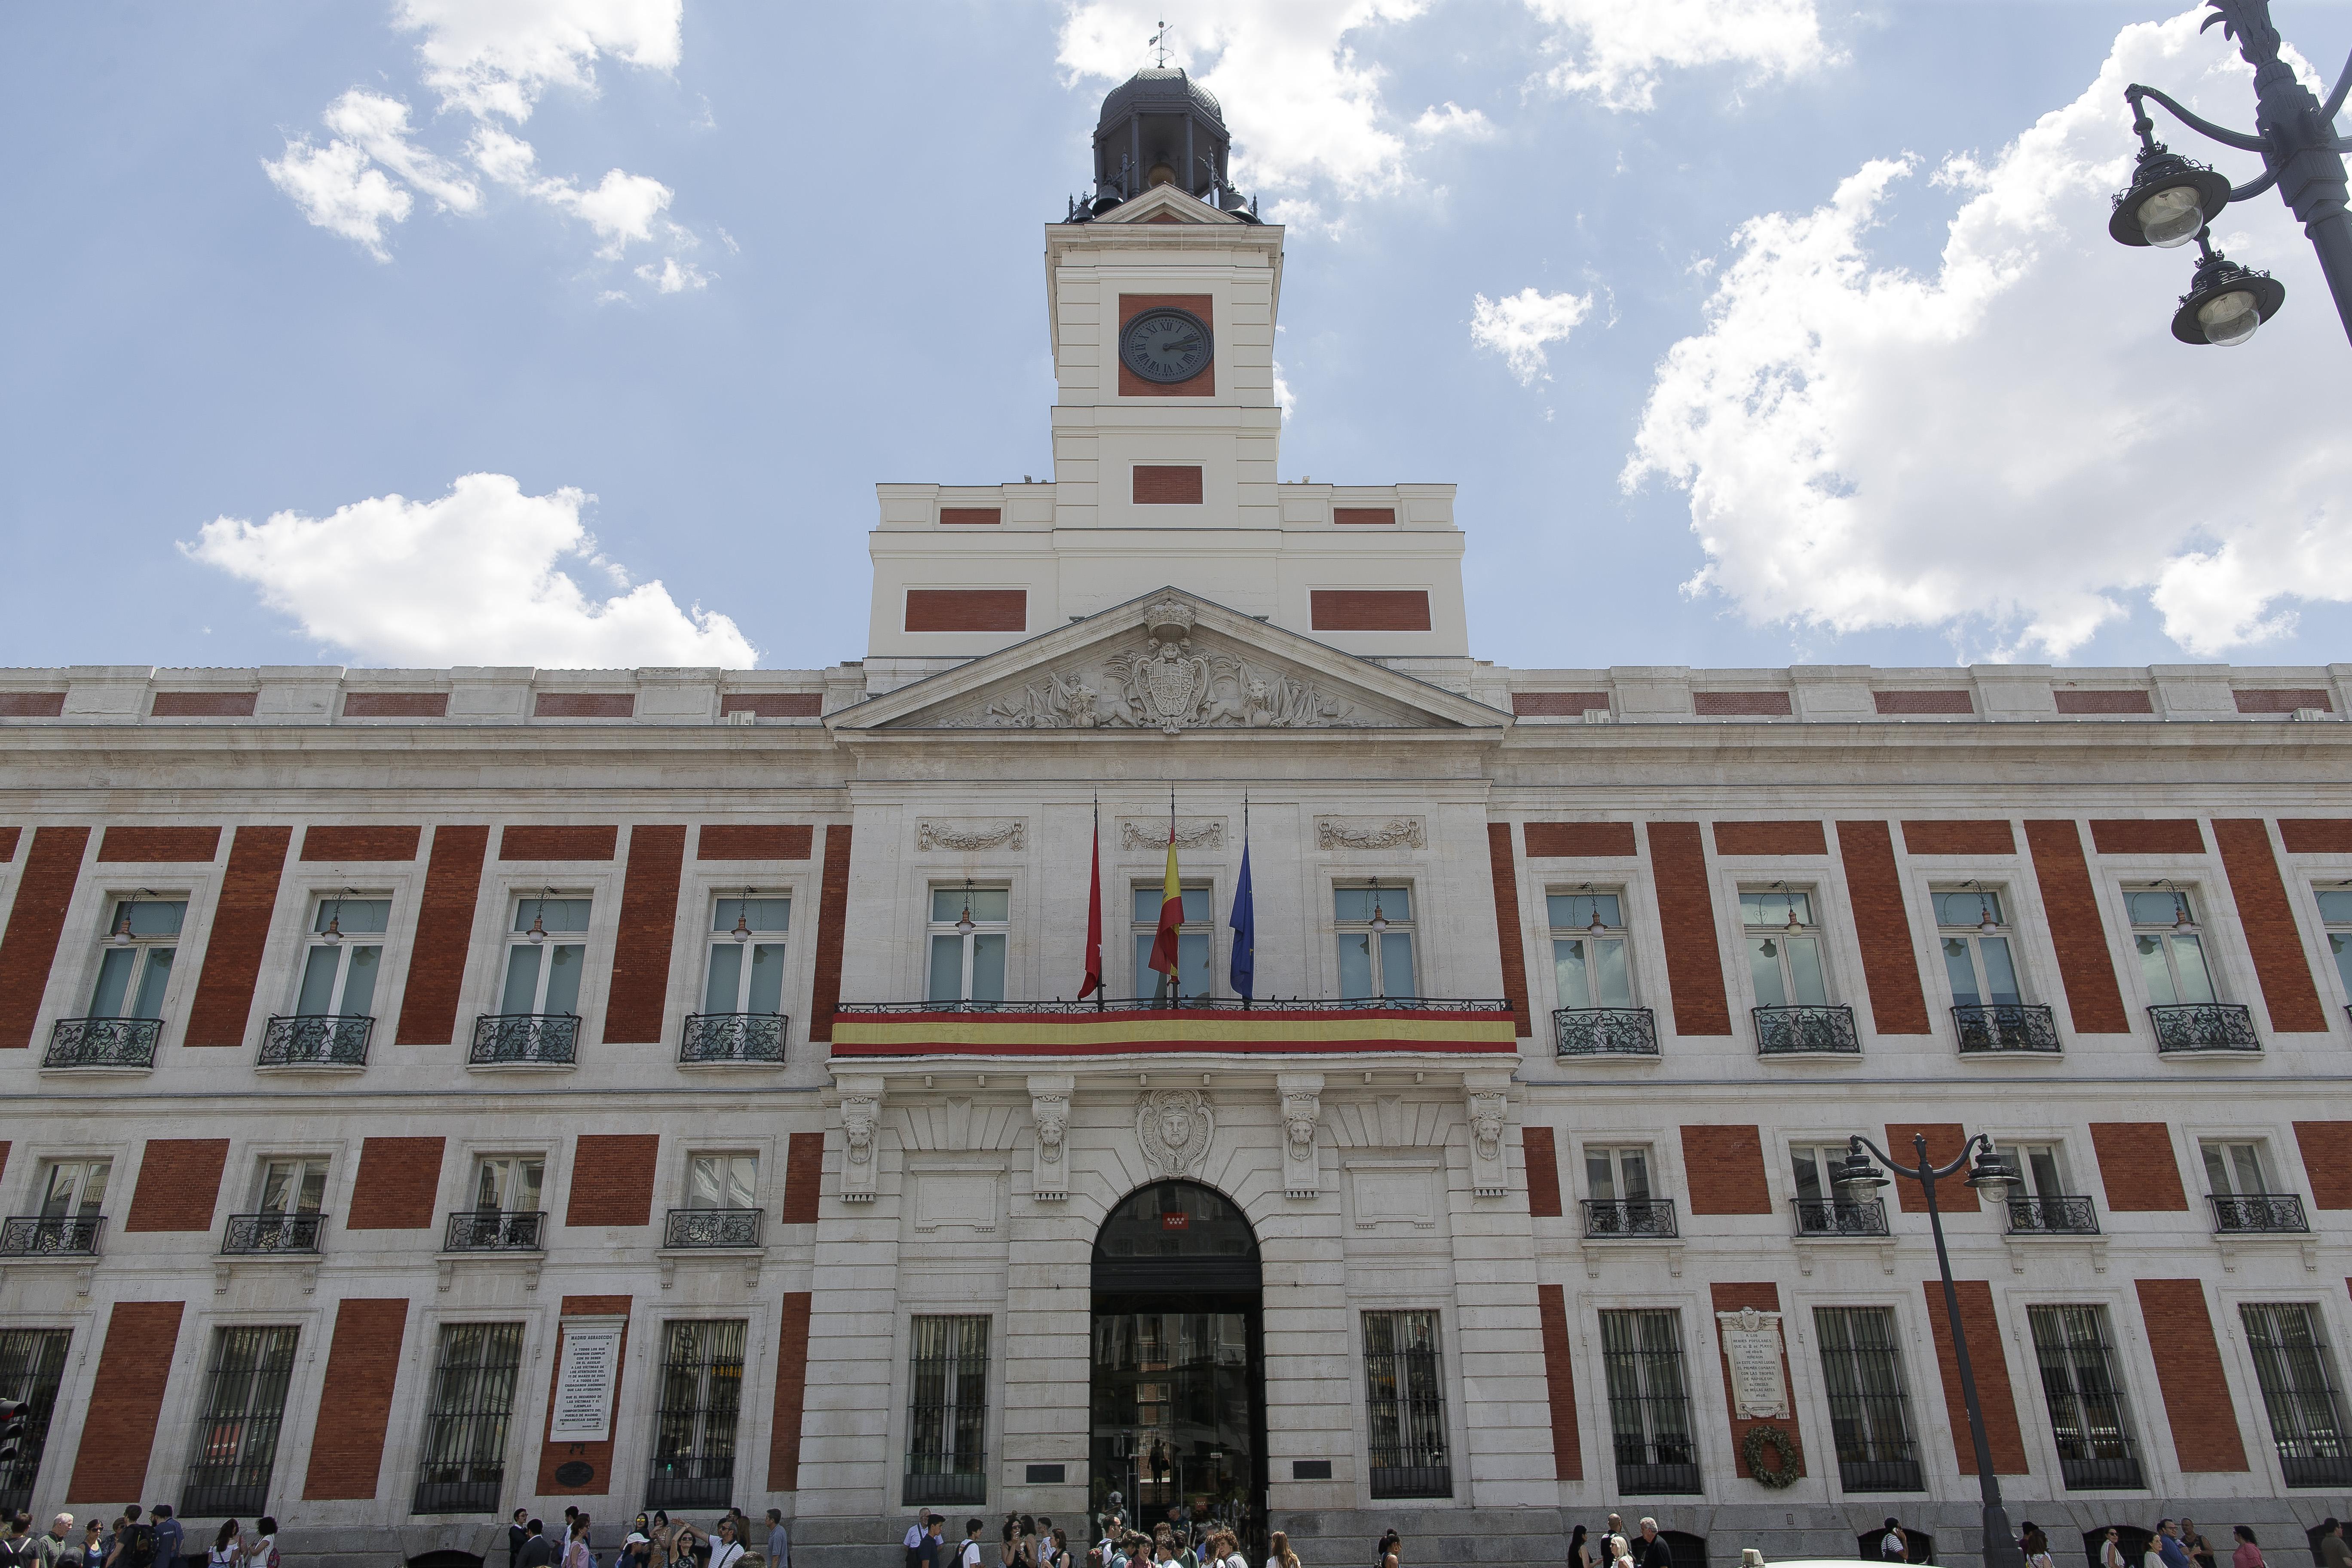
pixel 1159 127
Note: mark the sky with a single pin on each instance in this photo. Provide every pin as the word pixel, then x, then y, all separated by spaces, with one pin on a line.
pixel 577 333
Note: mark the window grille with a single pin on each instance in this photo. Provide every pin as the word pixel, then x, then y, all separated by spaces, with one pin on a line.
pixel 1404 1398
pixel 702 1395
pixel 1649 1402
pixel 236 1434
pixel 947 1411
pixel 32 1363
pixel 1870 1409
pixel 463 1464
pixel 2089 1418
pixel 2291 1362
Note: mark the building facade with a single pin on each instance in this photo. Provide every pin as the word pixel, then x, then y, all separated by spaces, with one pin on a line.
pixel 444 1091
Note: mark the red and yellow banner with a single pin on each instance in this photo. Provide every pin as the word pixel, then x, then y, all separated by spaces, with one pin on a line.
pixel 1014 1034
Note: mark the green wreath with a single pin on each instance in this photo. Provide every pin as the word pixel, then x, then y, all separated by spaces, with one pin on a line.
pixel 1782 1471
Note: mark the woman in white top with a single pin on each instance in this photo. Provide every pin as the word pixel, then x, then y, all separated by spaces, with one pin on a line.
pixel 1620 1555
pixel 1282 1557
pixel 576 1548
pixel 225 1553
pixel 726 1551
pixel 2111 1552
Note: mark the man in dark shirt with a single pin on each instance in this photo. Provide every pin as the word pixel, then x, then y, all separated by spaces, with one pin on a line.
pixel 1654 1552
pixel 516 1535
pixel 538 1552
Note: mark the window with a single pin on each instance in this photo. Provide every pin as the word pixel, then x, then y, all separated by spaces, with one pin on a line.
pixel 702 1395
pixel 2336 911
pixel 1972 926
pixel 1784 948
pixel 1405 1401
pixel 73 1189
pixel 1649 1402
pixel 508 1183
pixel 292 1186
pixel 746 955
pixel 2171 952
pixel 1870 1409
pixel 2040 1199
pixel 947 1411
pixel 720 1181
pixel 1824 1208
pixel 236 1431
pixel 344 958
pixel 143 935
pixel 1588 950
pixel 32 1365
pixel 546 956
pixel 1375 941
pixel 1195 965
pixel 1617 1174
pixel 2089 1418
pixel 462 1462
pixel 968 932
pixel 2236 1168
pixel 2299 1391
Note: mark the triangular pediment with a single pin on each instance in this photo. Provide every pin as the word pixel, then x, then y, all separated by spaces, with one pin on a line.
pixel 1166 203
pixel 1169 662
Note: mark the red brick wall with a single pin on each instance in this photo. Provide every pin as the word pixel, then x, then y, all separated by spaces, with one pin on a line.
pixel 203 704
pixel 1765 1298
pixel 395 705
pixel 179 1183
pixel 957 516
pixel 1741 704
pixel 2148 835
pixel 1130 384
pixel 1557 704
pixel 158 845
pixel 1989 1358
pixel 755 841
pixel 1944 1143
pixel 2326 1149
pixel 641 949
pixel 774 704
pixel 832 915
pixel 361 843
pixel 612 1178
pixel 804 1178
pixel 32 704
pixel 1958 838
pixel 2316 835
pixel 248 898
pixel 1882 927
pixel 2283 701
pixel 967 609
pixel 36 920
pixel 1543 1172
pixel 2188 1371
pixel 444 932
pixel 554 1457
pixel 1559 1384
pixel 2268 919
pixel 1511 932
pixel 398 1180
pixel 1770 838
pixel 1166 484
pixel 791 1393
pixel 1723 1165
pixel 1579 840
pixel 118 1429
pixel 2136 1167
pixel 8 836
pixel 558 843
pixel 1368 609
pixel 584 705
pixel 1924 702
pixel 2104 702
pixel 1686 925
pixel 1363 516
pixel 362 1367
pixel 2094 1001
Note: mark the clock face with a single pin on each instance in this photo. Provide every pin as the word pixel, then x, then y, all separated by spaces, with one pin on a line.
pixel 1165 345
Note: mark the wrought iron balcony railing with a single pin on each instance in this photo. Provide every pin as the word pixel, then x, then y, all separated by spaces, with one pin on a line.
pixel 2052 1216
pixel 2104 1464
pixel 1795 1031
pixel 1603 1032
pixel 733 1038
pixel 1862 1216
pixel 2204 1026
pixel 524 1039
pixel 318 1040
pixel 44 1235
pixel 2005 1027
pixel 264 1234
pixel 494 1230
pixel 1188 1004
pixel 713 1228
pixel 1629 1216
pixel 103 1042
pixel 2277 1213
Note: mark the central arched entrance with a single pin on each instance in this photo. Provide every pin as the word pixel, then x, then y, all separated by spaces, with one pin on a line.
pixel 1178 1400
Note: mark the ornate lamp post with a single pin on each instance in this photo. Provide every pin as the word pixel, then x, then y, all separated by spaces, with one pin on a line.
pixel 2172 200
pixel 1992 1174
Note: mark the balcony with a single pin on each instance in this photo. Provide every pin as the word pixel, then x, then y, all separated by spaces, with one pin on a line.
pixel 712 1038
pixel 271 1235
pixel 2258 1214
pixel 1639 1217
pixel 2101 1463
pixel 1805 1031
pixel 525 1039
pixel 118 1043
pixel 2002 1027
pixel 317 1040
pixel 2196 1027
pixel 2052 1216
pixel 1603 1032
pixel 1861 1217
pixel 703 1229
pixel 495 1230
pixel 42 1236
pixel 1225 1025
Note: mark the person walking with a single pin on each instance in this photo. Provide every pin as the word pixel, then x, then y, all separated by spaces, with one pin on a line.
pixel 134 1542
pixel 2111 1549
pixel 2194 1542
pixel 264 1551
pixel 967 1555
pixel 2169 1546
pixel 2036 1547
pixel 227 1547
pixel 1620 1552
pixel 1391 1552
pixel 2332 1551
pixel 1280 1556
pixel 54 1546
pixel 170 1536
pixel 93 1546
pixel 538 1552
pixel 2249 1552
pixel 16 1551
pixel 726 1550
pixel 1894 1546
pixel 1655 1553
pixel 517 1534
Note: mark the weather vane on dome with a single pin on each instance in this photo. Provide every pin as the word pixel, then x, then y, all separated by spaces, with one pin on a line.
pixel 1159 41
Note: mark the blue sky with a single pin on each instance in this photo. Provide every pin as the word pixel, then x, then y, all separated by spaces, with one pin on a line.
pixel 1828 280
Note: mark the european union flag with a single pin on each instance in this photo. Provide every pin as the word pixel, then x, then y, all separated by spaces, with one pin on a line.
pixel 1244 972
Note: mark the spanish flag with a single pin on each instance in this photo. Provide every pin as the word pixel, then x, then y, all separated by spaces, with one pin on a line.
pixel 1171 917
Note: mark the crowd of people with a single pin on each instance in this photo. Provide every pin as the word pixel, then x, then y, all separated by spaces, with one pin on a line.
pixel 653 1541
pixel 136 1538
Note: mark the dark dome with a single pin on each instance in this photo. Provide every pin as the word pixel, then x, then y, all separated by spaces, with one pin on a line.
pixel 1161 88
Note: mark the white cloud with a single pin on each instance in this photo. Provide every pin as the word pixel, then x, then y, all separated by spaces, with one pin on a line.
pixel 2005 446
pixel 620 207
pixel 1617 51
pixel 337 189
pixel 1517 326
pixel 475 577
pixel 1454 120
pixel 379 127
pixel 498 57
pixel 669 277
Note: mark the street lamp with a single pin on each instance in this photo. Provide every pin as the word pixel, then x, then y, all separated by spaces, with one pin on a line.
pixel 1992 1175
pixel 2171 200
